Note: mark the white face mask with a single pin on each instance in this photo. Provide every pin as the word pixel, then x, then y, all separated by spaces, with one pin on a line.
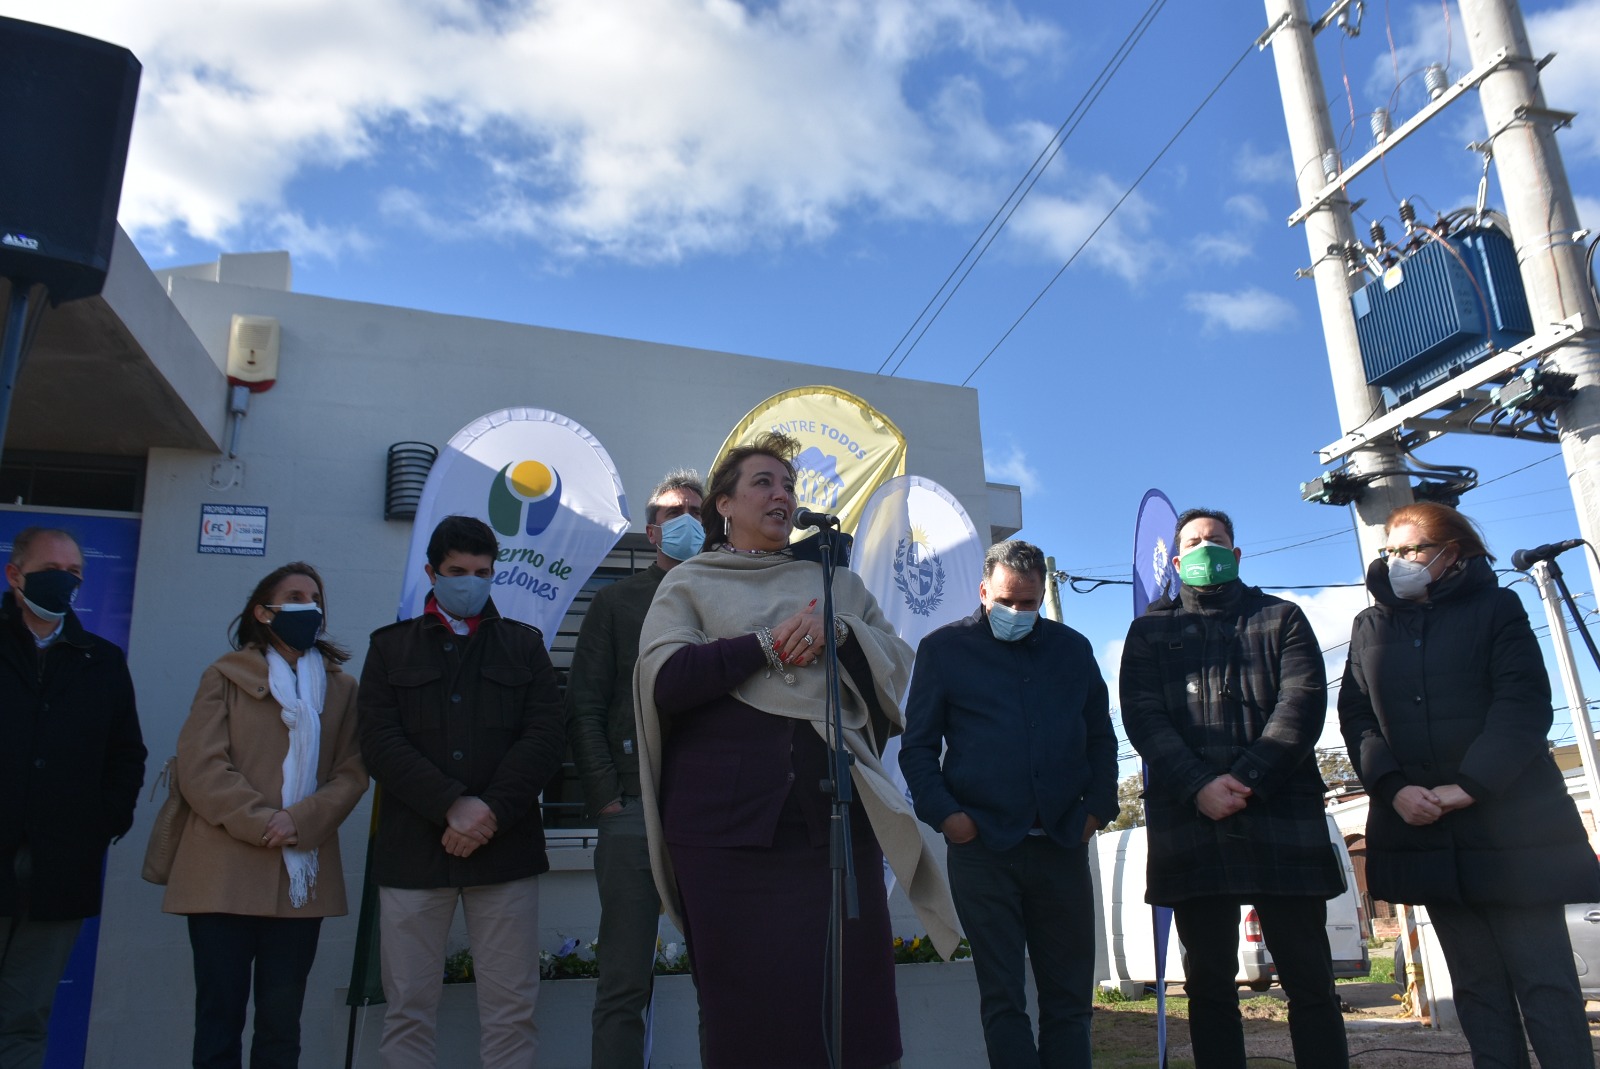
pixel 1409 579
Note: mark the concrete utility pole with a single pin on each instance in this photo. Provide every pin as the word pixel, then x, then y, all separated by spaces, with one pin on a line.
pixel 1328 231
pixel 1544 224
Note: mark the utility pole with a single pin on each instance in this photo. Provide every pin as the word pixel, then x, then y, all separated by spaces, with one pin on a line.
pixel 1329 232
pixel 1544 224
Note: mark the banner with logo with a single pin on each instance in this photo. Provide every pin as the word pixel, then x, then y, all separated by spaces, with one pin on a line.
pixel 552 495
pixel 847 448
pixel 1153 576
pixel 104 606
pixel 918 553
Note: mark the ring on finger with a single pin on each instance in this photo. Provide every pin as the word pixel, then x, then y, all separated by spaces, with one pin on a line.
pixel 808 639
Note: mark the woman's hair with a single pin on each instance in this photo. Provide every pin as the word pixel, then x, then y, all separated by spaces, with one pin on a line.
pixel 725 477
pixel 1443 524
pixel 248 631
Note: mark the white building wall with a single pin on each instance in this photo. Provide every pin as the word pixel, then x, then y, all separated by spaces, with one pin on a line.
pixel 353 379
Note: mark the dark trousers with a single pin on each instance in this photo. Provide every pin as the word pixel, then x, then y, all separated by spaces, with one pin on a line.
pixel 630 912
pixel 1505 957
pixel 1035 896
pixel 1295 929
pixel 228 949
pixel 33 957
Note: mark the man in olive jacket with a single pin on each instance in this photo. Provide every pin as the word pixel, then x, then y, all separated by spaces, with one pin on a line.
pixel 1224 694
pixel 461 728
pixel 71 764
pixel 600 725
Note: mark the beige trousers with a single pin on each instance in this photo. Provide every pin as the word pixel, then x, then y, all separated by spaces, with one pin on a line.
pixel 503 932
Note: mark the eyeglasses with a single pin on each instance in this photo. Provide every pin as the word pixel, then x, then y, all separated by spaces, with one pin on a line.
pixel 1408 552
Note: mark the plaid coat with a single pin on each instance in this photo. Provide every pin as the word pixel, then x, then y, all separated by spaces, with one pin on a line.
pixel 1230 681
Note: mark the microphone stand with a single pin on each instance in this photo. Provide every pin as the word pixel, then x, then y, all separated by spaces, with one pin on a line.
pixel 846 904
pixel 1547 575
pixel 1554 571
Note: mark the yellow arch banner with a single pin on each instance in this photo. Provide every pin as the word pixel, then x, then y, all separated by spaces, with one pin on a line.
pixel 847 448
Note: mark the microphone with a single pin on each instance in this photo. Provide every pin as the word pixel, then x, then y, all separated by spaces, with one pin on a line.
pixel 805 518
pixel 1523 559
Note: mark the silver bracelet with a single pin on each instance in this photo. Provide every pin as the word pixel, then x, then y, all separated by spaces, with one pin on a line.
pixel 764 636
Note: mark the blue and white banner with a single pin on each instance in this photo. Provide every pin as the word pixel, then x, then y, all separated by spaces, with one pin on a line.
pixel 550 491
pixel 918 553
pixel 1153 576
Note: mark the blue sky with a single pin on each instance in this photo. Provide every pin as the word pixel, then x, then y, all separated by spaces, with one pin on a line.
pixel 794 178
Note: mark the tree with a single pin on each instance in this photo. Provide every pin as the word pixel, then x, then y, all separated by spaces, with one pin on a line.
pixel 1335 767
pixel 1132 816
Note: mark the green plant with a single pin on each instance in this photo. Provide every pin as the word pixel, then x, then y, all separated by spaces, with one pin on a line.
pixel 918 950
pixel 458 967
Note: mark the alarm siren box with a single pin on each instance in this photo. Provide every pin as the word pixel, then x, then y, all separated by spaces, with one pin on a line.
pixel 253 352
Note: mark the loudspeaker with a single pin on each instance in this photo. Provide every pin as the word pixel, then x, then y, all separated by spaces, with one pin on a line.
pixel 66 109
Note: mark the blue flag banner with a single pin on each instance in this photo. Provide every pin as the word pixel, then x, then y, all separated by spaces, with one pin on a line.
pixel 1153 576
pixel 104 606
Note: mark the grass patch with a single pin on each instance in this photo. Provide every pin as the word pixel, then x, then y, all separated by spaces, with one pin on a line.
pixel 1382 972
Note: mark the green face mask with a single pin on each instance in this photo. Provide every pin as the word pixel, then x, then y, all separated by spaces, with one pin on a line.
pixel 1208 564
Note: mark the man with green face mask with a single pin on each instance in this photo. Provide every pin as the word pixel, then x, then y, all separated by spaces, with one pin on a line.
pixel 1224 695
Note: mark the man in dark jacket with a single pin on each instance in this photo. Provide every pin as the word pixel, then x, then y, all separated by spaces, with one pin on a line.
pixel 601 728
pixel 1018 708
pixel 461 728
pixel 1224 695
pixel 71 764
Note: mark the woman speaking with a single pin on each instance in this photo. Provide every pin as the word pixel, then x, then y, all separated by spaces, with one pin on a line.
pixel 730 697
pixel 1445 708
pixel 269 765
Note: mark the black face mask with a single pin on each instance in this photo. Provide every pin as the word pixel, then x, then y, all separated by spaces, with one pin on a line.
pixel 297 625
pixel 50 593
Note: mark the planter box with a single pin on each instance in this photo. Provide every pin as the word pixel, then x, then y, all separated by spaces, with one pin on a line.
pixel 939 1024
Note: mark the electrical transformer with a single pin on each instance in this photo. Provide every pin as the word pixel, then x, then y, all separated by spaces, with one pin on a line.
pixel 1440 310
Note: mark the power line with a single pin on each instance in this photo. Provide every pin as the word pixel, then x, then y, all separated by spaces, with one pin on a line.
pixel 1107 217
pixel 1037 168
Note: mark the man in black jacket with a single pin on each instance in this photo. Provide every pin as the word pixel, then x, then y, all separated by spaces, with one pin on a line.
pixel 71 764
pixel 461 728
pixel 601 727
pixel 1224 694
pixel 1017 707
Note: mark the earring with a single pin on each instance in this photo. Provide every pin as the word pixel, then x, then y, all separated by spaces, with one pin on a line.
pixel 725 526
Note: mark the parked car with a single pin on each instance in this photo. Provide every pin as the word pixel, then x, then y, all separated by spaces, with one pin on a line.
pixel 1583 928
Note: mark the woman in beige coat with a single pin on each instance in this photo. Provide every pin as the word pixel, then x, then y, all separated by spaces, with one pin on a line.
pixel 268 762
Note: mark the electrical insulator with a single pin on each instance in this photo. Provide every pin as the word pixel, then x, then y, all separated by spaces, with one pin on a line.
pixel 1379 238
pixel 1355 259
pixel 1408 216
pixel 1380 125
pixel 1436 80
pixel 1330 164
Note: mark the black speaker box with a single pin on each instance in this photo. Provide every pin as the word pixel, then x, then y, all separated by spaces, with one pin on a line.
pixel 66 109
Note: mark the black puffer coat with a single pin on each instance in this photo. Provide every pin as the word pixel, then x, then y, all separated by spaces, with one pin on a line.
pixel 1454 690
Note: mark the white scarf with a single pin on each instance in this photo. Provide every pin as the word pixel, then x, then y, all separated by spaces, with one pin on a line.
pixel 299 690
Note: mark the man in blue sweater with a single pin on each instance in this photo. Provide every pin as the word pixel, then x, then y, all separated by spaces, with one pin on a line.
pixel 1028 773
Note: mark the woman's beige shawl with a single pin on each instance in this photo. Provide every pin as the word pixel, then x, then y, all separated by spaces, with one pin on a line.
pixel 724 595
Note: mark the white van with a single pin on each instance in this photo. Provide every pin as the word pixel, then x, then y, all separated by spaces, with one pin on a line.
pixel 1128 952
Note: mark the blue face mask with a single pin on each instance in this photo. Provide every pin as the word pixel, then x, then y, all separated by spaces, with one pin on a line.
pixel 1008 624
pixel 50 593
pixel 297 624
pixel 682 537
pixel 462 596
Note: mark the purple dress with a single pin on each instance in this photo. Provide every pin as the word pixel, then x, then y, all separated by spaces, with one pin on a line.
pixel 746 824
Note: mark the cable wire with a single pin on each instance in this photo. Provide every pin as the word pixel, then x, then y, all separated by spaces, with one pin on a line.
pixel 1047 154
pixel 1107 218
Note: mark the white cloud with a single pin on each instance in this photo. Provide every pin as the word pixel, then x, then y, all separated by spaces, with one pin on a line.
pixel 1253 165
pixel 1010 465
pixel 1058 224
pixel 645 131
pixel 1222 248
pixel 1250 310
pixel 1572 82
